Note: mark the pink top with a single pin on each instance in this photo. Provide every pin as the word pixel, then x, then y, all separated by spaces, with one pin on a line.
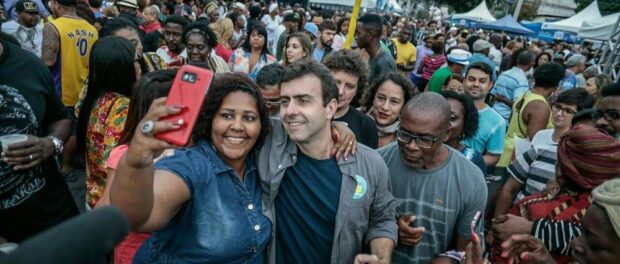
pixel 431 65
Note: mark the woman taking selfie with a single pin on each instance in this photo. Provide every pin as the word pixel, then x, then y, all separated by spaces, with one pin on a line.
pixel 204 202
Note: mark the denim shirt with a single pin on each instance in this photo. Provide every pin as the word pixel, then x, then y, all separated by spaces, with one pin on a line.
pixel 222 222
pixel 366 209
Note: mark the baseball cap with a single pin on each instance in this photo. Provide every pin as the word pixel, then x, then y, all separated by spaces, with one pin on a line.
pixel 482 44
pixel 459 56
pixel 294 17
pixel 26 6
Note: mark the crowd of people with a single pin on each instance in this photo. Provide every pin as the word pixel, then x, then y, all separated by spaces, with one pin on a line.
pixel 383 148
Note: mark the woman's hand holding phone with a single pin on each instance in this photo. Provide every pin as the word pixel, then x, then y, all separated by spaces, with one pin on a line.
pixel 144 146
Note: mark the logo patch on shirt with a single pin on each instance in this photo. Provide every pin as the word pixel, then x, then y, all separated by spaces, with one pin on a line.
pixel 360 190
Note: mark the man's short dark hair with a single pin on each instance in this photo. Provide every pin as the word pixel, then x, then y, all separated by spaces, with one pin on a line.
pixel 327 25
pixel 176 19
pixel 480 66
pixel 578 97
pixel 611 90
pixel 549 75
pixel 372 23
pixel 526 57
pixel 431 22
pixel 349 62
pixel 302 68
pixel 270 75
pixel 95 3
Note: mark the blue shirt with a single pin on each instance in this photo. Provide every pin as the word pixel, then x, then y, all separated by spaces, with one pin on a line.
pixel 510 84
pixel 491 133
pixel 222 222
pixel 317 54
pixel 476 158
pixel 569 81
pixel 479 57
pixel 306 209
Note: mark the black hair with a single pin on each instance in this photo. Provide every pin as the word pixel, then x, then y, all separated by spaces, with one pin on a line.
pixel 480 66
pixel 372 23
pixel 302 68
pixel 349 62
pixel 260 30
pixel 340 22
pixel 223 85
pixel 549 75
pixel 203 29
pixel 151 86
pixel 83 11
pixel 170 6
pixel 255 11
pixel 409 90
pixel 611 90
pixel 578 97
pixel 176 19
pixel 549 56
pixel 95 3
pixel 454 76
pixel 526 57
pixel 270 75
pixel 116 24
pixel 438 47
pixel 111 70
pixel 470 114
pixel 233 16
pixel 431 22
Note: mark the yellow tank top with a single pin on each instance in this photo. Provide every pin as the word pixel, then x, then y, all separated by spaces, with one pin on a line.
pixel 71 69
pixel 517 127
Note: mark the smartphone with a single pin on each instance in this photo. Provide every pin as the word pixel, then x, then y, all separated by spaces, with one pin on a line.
pixel 490 99
pixel 189 90
pixel 474 223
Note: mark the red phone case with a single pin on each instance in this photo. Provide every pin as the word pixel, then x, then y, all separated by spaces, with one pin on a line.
pixel 189 90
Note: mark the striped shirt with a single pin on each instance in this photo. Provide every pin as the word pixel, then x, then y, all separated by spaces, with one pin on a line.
pixel 556 235
pixel 534 168
pixel 431 64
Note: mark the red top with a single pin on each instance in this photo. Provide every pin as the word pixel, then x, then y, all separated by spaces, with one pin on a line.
pixel 431 65
pixel 148 28
pixel 223 52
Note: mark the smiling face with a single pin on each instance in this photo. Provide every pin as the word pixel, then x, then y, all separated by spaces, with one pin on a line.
pixel 599 243
pixel 611 106
pixel 477 84
pixel 388 102
pixel 197 48
pixel 303 114
pixel 236 127
pixel 294 50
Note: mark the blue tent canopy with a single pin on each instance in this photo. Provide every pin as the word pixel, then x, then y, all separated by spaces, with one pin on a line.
pixel 508 24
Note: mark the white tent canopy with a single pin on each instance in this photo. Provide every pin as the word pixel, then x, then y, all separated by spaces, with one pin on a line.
pixel 365 3
pixel 572 24
pixel 600 28
pixel 479 14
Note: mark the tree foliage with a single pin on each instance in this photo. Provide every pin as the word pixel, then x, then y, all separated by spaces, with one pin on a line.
pixel 461 6
pixel 605 6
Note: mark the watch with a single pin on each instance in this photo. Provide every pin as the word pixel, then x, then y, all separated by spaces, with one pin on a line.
pixel 58 144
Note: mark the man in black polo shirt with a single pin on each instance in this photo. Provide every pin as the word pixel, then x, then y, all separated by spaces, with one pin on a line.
pixel 350 73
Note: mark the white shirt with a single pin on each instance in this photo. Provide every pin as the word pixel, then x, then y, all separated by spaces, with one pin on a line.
pixel 271 25
pixel 31 39
pixel 281 28
pixel 496 56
